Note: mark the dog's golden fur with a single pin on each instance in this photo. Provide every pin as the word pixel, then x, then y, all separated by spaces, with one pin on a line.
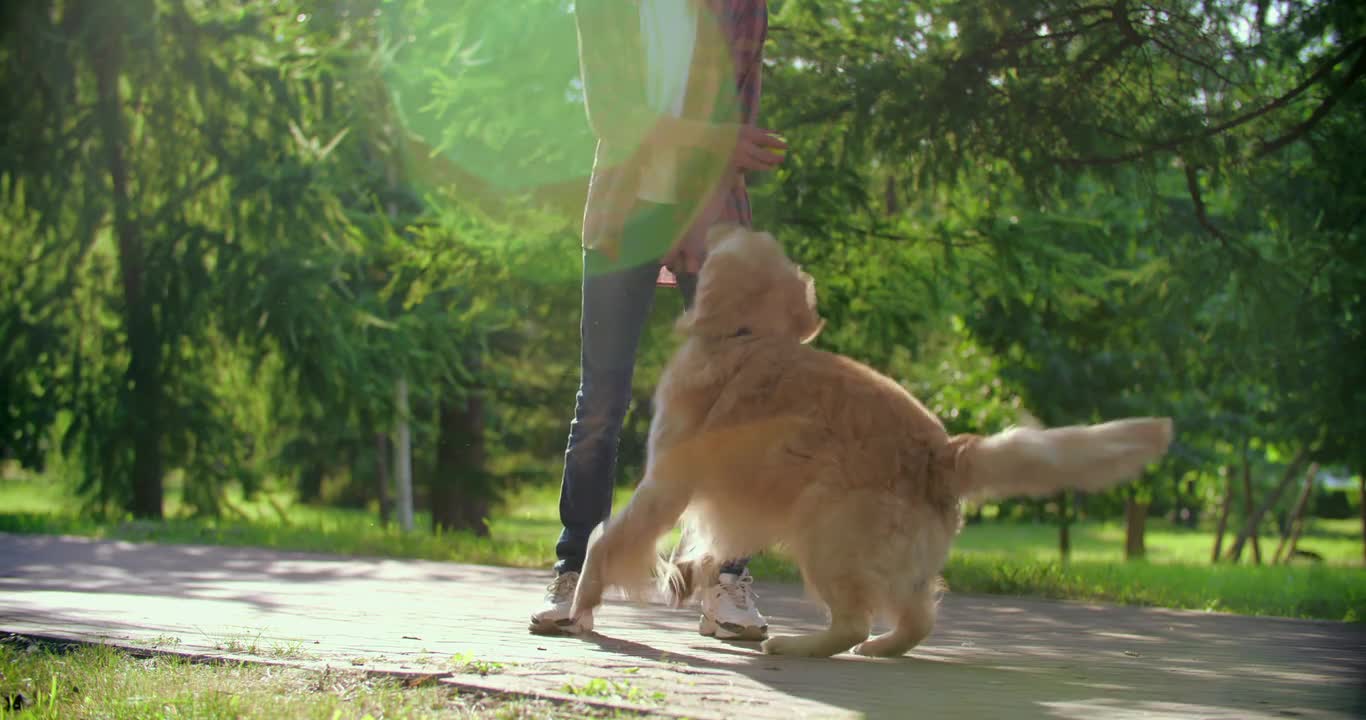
pixel 761 439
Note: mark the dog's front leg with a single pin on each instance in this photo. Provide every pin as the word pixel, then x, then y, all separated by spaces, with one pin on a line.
pixel 588 593
pixel 624 554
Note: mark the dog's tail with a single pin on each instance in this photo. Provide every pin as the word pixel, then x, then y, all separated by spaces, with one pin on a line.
pixel 1036 462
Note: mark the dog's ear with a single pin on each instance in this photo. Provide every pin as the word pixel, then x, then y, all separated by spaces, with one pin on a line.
pixel 724 287
pixel 806 318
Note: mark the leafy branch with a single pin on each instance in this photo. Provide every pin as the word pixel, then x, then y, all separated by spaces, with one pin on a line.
pixel 1319 75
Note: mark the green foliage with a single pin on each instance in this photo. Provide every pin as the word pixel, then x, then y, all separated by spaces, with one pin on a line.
pixel 1133 208
pixel 488 93
pixel 202 125
pixel 277 247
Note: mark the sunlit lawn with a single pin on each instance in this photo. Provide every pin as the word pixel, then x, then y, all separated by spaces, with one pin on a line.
pixel 1336 541
pixel 1009 558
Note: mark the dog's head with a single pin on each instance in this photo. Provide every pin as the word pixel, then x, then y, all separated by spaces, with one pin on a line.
pixel 749 286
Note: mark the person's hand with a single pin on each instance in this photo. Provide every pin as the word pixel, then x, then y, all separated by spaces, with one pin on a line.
pixel 758 150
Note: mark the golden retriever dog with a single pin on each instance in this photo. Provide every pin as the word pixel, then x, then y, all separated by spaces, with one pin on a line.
pixel 760 439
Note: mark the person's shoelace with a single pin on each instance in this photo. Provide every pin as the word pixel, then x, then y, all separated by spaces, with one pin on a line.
pixel 740 592
pixel 561 587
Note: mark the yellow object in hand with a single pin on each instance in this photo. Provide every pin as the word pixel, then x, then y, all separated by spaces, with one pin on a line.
pixel 780 152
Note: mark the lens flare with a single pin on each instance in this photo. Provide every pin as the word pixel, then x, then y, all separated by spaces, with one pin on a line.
pixel 489 101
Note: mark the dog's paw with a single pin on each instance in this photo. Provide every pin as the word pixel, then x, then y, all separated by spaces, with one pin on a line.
pixel 872 648
pixel 795 646
pixel 774 646
pixel 575 625
pixel 582 625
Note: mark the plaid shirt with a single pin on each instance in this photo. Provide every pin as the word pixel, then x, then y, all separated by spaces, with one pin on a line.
pixel 724 87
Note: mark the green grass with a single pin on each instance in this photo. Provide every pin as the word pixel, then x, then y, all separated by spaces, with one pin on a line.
pixel 1002 558
pixel 613 690
pixel 39 682
pixel 1298 591
pixel 523 535
pixel 1337 541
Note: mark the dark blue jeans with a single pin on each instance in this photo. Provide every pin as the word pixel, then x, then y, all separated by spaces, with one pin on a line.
pixel 616 305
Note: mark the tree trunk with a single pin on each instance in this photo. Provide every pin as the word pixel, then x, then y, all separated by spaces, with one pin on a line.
pixel 311 484
pixel 403 457
pixel 144 371
pixel 1361 501
pixel 1249 503
pixel 459 501
pixel 1298 517
pixel 890 197
pixel 382 477
pixel 1135 525
pixel 1192 511
pixel 1250 526
pixel 1292 528
pixel 403 443
pixel 1174 515
pixel 1223 515
pixel 1064 528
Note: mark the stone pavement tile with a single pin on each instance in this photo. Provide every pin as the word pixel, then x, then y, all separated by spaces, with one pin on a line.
pixel 989 656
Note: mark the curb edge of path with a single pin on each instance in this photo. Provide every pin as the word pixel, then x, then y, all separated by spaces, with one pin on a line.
pixel 458 681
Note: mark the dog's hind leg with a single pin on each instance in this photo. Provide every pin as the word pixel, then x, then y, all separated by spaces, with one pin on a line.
pixel 914 621
pixel 623 553
pixel 849 624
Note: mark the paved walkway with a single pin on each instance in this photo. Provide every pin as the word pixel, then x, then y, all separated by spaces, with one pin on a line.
pixel 990 657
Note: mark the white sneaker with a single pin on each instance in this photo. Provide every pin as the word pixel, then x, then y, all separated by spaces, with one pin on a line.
pixel 728 610
pixel 553 617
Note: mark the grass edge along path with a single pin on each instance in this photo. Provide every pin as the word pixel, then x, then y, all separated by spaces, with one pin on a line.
pixel 48 678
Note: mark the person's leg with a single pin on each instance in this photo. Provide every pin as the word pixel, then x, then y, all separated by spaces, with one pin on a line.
pixel 616 306
pixel 616 299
